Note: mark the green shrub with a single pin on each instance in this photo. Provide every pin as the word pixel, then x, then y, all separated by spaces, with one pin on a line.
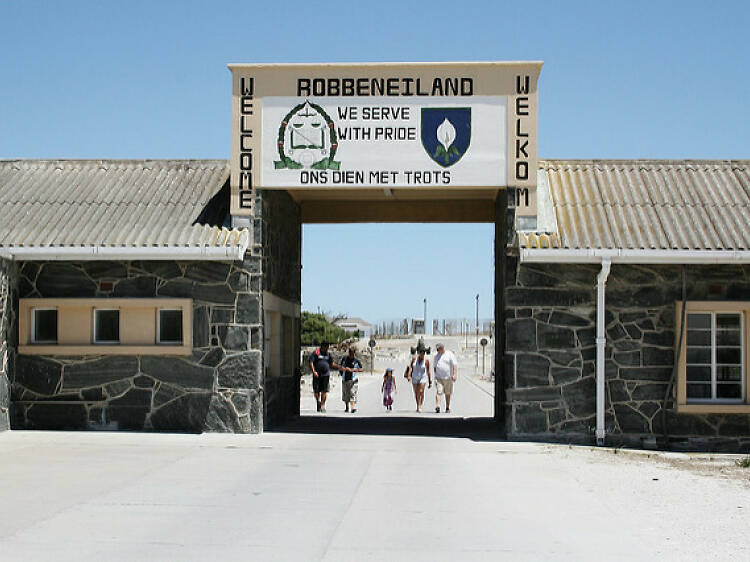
pixel 316 328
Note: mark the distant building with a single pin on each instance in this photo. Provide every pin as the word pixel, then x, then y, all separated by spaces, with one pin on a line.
pixel 359 327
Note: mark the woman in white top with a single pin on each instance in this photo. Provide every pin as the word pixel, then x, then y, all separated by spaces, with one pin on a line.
pixel 419 374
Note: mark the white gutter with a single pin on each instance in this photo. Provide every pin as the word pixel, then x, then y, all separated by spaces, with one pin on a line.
pixel 601 344
pixel 549 255
pixel 88 253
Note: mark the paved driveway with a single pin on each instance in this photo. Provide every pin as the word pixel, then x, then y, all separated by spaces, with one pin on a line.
pixel 337 496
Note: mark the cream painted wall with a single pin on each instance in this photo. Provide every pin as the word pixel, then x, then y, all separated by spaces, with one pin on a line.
pixel 138 321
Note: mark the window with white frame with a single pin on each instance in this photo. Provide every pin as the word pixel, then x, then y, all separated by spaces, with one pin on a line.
pixel 106 325
pixel 169 327
pixel 44 325
pixel 714 356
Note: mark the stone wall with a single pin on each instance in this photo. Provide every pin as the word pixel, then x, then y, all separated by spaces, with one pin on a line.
pixel 280 244
pixel 216 389
pixel 550 367
pixel 278 228
pixel 221 387
pixel 7 284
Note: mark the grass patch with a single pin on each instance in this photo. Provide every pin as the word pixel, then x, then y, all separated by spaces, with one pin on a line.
pixel 743 463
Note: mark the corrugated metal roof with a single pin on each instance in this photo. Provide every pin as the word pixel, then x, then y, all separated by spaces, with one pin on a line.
pixel 118 203
pixel 646 204
pixel 598 204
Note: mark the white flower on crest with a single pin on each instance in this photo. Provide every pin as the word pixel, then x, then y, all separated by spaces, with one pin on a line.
pixel 446 134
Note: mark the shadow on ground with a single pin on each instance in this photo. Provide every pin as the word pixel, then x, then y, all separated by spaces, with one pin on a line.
pixel 477 429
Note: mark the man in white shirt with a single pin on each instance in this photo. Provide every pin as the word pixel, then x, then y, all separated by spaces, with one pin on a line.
pixel 445 366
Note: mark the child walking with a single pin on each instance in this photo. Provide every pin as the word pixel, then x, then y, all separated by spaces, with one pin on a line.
pixel 388 389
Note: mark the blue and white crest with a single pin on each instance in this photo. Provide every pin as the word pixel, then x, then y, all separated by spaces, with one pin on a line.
pixel 446 133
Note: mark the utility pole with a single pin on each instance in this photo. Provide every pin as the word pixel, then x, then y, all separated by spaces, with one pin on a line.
pixel 425 316
pixel 477 328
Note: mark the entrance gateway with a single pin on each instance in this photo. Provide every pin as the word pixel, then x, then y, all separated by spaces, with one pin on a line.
pixel 398 135
pixel 384 142
pixel 137 308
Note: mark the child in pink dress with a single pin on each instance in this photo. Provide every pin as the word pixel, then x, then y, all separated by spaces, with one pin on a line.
pixel 388 389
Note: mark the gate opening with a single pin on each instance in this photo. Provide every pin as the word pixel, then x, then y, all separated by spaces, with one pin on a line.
pixel 383 288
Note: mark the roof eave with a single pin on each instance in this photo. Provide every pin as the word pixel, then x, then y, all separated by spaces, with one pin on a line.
pixel 592 255
pixel 103 253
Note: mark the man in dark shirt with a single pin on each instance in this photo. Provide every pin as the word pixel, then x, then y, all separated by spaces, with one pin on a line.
pixel 350 366
pixel 321 363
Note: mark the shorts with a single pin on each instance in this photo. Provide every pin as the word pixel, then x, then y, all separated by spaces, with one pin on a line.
pixel 349 391
pixel 444 386
pixel 321 383
pixel 420 380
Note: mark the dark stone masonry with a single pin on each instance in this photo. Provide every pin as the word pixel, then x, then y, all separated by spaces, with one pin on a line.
pixel 221 387
pixel 546 336
pixel 550 366
pixel 166 393
pixel 278 239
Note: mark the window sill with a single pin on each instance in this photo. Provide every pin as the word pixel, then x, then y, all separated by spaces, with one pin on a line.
pixel 41 349
pixel 713 408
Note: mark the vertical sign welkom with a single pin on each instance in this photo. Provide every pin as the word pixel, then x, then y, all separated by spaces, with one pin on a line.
pixel 349 126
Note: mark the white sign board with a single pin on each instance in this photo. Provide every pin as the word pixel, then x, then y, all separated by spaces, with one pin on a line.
pixel 384 125
pixel 338 141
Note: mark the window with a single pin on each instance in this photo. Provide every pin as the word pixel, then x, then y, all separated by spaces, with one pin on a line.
pixel 170 327
pixel 44 325
pixel 106 326
pixel 713 373
pixel 714 357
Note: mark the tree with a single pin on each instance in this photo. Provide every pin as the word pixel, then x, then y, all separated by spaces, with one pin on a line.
pixel 316 328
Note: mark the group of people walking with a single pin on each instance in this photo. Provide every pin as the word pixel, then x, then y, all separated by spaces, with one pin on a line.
pixel 419 373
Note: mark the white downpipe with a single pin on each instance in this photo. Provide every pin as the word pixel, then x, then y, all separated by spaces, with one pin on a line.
pixel 86 253
pixel 601 344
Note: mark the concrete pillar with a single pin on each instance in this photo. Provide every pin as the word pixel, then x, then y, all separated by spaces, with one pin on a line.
pixel 502 225
pixel 277 229
pixel 6 313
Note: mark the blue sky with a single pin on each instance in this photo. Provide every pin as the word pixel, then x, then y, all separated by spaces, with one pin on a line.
pixel 149 80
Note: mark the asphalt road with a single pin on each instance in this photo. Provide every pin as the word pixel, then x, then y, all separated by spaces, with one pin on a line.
pixel 333 496
pixel 365 486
